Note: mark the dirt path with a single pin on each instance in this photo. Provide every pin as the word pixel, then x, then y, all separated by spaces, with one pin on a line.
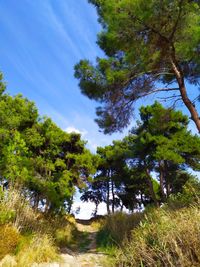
pixel 87 256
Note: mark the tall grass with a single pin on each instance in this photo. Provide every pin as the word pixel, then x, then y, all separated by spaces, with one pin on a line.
pixel 41 249
pixel 28 235
pixel 16 209
pixel 164 238
pixel 114 229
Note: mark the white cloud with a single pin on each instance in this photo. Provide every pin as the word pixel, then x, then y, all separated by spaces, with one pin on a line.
pixel 91 144
pixel 72 129
pixel 60 27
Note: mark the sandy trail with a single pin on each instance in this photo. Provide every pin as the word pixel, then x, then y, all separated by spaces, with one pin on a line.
pixel 90 257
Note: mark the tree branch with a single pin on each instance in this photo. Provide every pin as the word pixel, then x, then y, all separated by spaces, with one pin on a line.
pixel 160 90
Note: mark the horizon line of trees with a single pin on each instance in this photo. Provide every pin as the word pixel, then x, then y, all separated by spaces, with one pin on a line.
pixel 148 165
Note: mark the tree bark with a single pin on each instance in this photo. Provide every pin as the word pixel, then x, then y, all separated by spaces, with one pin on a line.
pixel 70 204
pixel 96 209
pixel 180 80
pixel 113 197
pixel 108 195
pixel 167 182
pixel 162 181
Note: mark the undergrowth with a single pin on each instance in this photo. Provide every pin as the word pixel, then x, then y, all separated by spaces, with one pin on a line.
pixel 114 229
pixel 28 236
pixel 164 238
pixel 168 236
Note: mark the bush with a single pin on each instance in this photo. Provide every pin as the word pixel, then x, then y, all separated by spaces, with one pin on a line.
pixel 190 195
pixel 9 238
pixel 164 238
pixel 6 216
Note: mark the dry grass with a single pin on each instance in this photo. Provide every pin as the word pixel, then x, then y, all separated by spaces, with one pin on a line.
pixel 16 209
pixel 164 239
pixel 8 261
pixel 41 249
pixel 9 238
pixel 119 225
pixel 30 235
pixel 98 222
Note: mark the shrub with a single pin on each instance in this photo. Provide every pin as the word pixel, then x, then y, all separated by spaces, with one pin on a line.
pixel 164 238
pixel 6 216
pixel 9 238
pixel 190 195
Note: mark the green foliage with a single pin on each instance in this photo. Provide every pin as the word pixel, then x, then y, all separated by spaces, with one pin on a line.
pixel 161 144
pixel 6 216
pixel 189 196
pixel 149 47
pixel 111 170
pixel 148 165
pixel 38 157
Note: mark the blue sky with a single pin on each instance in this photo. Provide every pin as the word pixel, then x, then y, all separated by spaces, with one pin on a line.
pixel 41 41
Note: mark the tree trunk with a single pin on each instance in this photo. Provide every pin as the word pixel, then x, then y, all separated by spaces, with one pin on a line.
pixel 180 80
pixel 47 206
pixel 36 201
pixel 162 181
pixel 96 209
pixel 70 204
pixel 121 207
pixel 108 195
pixel 113 197
pixel 167 182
